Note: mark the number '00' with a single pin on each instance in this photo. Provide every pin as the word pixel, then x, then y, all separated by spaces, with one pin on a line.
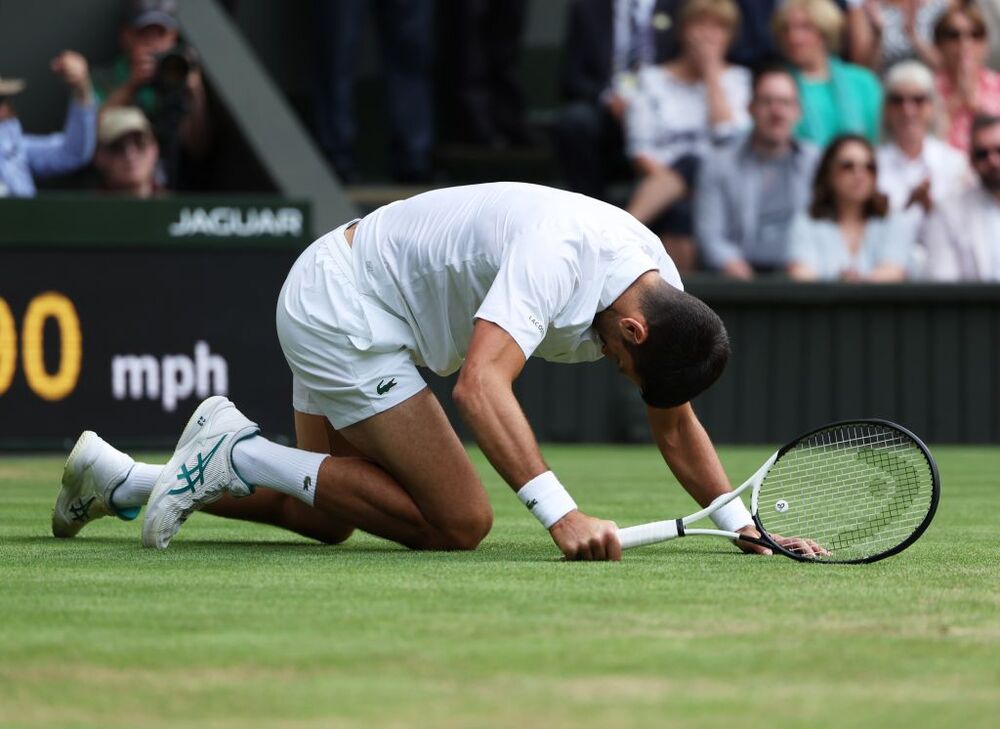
pixel 45 306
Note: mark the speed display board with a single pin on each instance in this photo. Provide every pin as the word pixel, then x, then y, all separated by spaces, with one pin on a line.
pixel 127 341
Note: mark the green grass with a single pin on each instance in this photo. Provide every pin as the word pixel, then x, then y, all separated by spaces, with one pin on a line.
pixel 238 625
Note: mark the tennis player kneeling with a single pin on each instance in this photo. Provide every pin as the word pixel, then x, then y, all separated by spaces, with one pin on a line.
pixel 474 278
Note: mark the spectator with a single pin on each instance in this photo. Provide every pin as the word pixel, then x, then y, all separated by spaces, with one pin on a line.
pixel 836 97
pixel 159 74
pixel 607 41
pixel 962 236
pixel 848 233
pixel 405 27
pixel 127 152
pixel 27 157
pixel 967 87
pixel 748 193
pixel 680 110
pixel 895 30
pixel 916 170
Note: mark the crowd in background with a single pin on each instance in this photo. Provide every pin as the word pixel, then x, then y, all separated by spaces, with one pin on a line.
pixel 142 123
pixel 824 140
pixel 853 140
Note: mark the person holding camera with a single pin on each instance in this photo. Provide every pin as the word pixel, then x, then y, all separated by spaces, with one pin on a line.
pixel 159 74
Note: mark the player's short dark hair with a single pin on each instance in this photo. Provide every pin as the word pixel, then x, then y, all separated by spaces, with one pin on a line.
pixel 685 351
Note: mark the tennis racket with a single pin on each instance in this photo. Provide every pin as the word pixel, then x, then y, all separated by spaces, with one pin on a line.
pixel 862 490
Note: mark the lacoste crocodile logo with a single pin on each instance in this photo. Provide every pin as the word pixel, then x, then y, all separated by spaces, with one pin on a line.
pixel 384 387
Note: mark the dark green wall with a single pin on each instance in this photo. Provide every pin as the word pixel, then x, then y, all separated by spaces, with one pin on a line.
pixel 925 355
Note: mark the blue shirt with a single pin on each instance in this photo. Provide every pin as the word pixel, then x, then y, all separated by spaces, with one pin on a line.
pixel 819 245
pixel 27 157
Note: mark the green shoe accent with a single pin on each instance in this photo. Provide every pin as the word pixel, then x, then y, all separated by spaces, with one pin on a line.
pixel 195 476
pixel 128 513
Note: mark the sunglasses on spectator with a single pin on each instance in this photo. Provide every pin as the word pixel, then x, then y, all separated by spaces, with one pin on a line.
pixel 981 154
pixel 137 139
pixel 955 34
pixel 903 99
pixel 851 165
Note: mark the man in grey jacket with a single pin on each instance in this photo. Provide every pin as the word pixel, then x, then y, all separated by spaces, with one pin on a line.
pixel 749 191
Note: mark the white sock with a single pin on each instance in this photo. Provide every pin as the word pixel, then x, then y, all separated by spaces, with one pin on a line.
pixel 135 489
pixel 288 470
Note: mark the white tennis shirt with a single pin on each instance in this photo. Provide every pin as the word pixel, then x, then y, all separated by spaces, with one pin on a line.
pixel 537 261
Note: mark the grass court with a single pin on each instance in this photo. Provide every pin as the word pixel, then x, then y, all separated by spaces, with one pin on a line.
pixel 242 626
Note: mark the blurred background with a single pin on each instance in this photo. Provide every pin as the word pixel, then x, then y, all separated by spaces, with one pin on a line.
pixel 825 173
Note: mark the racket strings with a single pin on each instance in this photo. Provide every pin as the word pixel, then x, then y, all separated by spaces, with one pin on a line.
pixel 857 490
pixel 860 502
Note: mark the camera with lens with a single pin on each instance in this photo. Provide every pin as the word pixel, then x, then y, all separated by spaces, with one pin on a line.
pixel 172 69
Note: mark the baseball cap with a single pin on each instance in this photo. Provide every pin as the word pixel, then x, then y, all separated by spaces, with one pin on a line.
pixel 11 86
pixel 143 13
pixel 118 121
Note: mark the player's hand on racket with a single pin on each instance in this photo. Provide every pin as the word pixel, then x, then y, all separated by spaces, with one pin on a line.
pixel 750 547
pixel 798 545
pixel 582 537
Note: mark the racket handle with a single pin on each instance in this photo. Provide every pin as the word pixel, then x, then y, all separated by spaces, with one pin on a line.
pixel 657 531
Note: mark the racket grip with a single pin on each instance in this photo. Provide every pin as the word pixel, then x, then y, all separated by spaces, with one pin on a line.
pixel 638 536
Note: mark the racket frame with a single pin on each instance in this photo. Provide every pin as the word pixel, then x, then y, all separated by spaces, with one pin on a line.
pixel 921 528
pixel 662 531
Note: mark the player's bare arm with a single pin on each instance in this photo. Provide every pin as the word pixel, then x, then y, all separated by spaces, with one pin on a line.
pixel 689 453
pixel 485 397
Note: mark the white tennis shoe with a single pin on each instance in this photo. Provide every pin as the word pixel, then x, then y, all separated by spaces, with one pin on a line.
pixel 200 471
pixel 93 471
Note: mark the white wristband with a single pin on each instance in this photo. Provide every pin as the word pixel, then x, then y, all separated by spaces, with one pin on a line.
pixel 546 498
pixel 732 516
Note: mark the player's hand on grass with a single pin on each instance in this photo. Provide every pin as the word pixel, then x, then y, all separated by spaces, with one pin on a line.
pixel 582 537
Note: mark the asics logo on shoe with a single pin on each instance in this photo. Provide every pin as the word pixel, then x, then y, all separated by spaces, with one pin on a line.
pixel 384 387
pixel 196 475
pixel 81 508
pixel 201 420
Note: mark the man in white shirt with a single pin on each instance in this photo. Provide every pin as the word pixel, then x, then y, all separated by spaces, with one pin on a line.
pixel 916 169
pixel 962 236
pixel 478 278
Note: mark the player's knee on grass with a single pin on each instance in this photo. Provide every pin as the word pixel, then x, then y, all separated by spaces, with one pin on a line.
pixel 464 531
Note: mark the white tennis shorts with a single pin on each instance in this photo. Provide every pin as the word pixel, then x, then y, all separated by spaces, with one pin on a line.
pixel 349 357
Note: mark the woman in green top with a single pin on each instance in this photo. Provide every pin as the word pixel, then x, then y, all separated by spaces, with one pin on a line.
pixel 837 97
